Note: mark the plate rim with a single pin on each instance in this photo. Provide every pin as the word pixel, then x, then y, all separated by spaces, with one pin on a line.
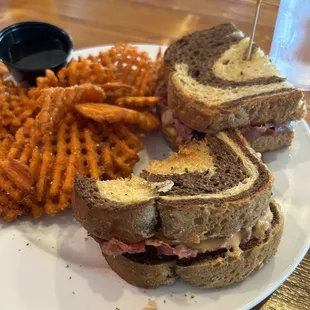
pixel 303 251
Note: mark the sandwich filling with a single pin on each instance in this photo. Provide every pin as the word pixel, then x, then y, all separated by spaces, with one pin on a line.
pixel 192 248
pixel 181 133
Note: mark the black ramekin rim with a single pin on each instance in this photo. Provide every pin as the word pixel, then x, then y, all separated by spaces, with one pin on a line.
pixel 68 37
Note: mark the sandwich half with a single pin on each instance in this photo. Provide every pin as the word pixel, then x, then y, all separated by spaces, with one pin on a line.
pixel 211 87
pixel 204 214
pixel 214 268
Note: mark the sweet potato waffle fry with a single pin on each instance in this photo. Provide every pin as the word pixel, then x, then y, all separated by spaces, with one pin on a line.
pixel 137 102
pixel 37 173
pixel 112 114
pixel 15 107
pixel 44 141
pixel 77 72
pixel 135 68
pixel 123 65
pixel 3 69
pixel 57 101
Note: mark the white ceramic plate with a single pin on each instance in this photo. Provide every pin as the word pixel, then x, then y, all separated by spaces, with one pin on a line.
pixel 50 264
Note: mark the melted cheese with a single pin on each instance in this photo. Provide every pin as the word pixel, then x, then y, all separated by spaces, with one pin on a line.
pixel 212 244
pixel 262 225
pixel 230 243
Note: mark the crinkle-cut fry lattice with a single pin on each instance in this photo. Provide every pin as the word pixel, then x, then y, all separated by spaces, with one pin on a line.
pixel 41 176
pixel 82 71
pixel 16 189
pixel 137 102
pixel 121 151
pixel 44 142
pixel 56 102
pixel 122 63
pixel 135 68
pixel 15 107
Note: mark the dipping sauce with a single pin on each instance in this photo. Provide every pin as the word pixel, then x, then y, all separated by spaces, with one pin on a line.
pixel 29 48
pixel 27 55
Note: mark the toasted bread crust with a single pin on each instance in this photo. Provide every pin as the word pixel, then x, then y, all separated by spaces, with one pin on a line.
pixel 260 144
pixel 213 219
pixel 210 217
pixel 174 215
pixel 143 275
pixel 221 272
pixel 213 272
pixel 106 219
pixel 271 143
pixel 205 99
pixel 171 220
pixel 276 108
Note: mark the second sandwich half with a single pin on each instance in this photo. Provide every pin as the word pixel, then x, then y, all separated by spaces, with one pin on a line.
pixel 204 214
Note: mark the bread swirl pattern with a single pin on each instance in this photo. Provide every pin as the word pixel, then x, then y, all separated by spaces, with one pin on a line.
pixel 212 87
pixel 221 49
pixel 197 204
pixel 221 180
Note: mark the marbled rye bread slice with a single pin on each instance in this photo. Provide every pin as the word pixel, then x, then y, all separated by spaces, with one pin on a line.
pixel 213 188
pixel 212 87
pixel 210 270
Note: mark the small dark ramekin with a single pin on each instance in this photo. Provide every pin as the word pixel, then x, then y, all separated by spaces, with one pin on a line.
pixel 16 33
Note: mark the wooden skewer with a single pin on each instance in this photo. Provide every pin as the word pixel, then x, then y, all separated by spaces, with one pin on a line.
pixel 258 2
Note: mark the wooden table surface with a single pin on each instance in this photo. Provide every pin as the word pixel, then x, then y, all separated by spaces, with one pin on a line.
pixel 97 22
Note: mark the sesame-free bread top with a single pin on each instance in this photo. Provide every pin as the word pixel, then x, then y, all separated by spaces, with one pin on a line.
pixel 122 208
pixel 220 167
pixel 210 188
pixel 232 193
pixel 212 87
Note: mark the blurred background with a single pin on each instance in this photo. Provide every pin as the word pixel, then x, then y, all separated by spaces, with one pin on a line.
pixel 97 22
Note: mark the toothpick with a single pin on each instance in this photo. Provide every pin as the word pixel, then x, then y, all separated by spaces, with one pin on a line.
pixel 258 2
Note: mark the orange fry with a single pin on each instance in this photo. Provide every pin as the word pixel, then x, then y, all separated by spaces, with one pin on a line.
pixel 132 67
pixel 117 89
pixel 45 142
pixel 84 71
pixel 77 72
pixel 18 173
pixel 137 102
pixel 116 85
pixel 56 102
pixel 3 68
pixel 112 114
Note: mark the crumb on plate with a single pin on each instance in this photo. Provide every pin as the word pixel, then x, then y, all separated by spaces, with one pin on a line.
pixel 151 305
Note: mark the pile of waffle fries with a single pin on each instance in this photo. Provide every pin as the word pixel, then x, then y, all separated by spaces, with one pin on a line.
pixel 84 120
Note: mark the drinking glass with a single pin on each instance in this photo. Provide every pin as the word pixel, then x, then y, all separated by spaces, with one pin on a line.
pixel 290 48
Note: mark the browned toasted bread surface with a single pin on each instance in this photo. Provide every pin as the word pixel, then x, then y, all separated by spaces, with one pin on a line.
pixel 217 187
pixel 212 87
pixel 106 219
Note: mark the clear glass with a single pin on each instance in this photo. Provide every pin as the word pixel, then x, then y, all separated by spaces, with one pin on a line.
pixel 290 49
